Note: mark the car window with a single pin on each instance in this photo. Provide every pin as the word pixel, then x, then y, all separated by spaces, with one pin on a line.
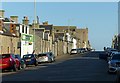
pixel 73 49
pixel 28 56
pixel 5 56
pixel 50 54
pixel 17 56
pixel 40 55
pixel 13 56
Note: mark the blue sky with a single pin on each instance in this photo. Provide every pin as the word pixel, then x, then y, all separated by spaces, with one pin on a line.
pixel 101 18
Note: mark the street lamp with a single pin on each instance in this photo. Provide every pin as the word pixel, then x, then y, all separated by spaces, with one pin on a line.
pixel 34 23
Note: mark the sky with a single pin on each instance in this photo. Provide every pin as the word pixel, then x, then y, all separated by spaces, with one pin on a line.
pixel 101 18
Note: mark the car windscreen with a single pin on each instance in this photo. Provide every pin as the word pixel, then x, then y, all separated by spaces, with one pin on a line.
pixel 114 50
pixel 28 56
pixel 116 57
pixel 5 56
pixel 73 49
pixel 40 55
pixel 18 56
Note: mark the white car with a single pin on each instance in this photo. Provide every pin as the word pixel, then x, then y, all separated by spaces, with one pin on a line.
pixel 73 51
pixel 46 57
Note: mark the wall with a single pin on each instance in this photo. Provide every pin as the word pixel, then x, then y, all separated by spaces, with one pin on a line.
pixel 9 44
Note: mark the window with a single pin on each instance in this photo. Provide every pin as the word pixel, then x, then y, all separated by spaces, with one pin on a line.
pixel 14 49
pixel 73 29
pixel 26 29
pixel 23 29
pixel 57 30
pixel 8 49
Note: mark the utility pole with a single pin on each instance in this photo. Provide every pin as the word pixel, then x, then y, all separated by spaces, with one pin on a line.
pixel 67 36
pixel 34 24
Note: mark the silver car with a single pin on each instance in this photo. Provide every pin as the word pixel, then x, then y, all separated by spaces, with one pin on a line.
pixel 46 57
pixel 114 63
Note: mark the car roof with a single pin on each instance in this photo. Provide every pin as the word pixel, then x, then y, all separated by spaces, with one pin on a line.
pixel 46 53
pixel 28 54
pixel 7 54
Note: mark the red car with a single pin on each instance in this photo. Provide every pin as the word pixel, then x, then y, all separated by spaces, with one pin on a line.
pixel 8 61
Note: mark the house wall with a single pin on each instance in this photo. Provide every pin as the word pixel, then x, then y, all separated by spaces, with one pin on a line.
pixel 9 44
pixel 82 37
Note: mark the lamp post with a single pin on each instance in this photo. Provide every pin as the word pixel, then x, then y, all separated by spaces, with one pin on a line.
pixel 34 24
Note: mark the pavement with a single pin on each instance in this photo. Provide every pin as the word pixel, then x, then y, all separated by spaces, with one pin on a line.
pixel 67 56
pixel 62 56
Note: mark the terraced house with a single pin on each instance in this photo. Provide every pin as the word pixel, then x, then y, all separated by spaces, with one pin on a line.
pixel 26 38
pixel 8 35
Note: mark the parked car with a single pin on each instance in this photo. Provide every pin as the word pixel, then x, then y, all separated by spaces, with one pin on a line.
pixel 82 50
pixel 111 55
pixel 22 62
pixel 46 57
pixel 30 59
pixel 74 51
pixel 8 61
pixel 114 63
pixel 110 50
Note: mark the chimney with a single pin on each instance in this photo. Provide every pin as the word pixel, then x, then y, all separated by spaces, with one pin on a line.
pixel 2 13
pixel 14 18
pixel 1 25
pixel 25 20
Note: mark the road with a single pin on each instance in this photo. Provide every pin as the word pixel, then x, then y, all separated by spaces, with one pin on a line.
pixel 86 67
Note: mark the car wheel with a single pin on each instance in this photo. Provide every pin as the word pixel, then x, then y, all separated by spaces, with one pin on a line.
pixel 19 67
pixel 24 66
pixel 51 60
pixel 109 72
pixel 2 70
pixel 36 63
pixel 14 67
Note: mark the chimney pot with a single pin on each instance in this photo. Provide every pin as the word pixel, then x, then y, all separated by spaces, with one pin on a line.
pixel 14 18
pixel 2 13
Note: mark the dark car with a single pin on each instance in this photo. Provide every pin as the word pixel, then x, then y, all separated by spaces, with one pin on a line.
pixel 22 62
pixel 30 59
pixel 82 50
pixel 114 63
pixel 8 61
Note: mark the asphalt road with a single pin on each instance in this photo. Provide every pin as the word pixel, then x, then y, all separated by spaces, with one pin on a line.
pixel 87 67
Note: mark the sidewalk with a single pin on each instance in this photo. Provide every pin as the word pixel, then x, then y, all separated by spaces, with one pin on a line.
pixel 66 56
pixel 62 56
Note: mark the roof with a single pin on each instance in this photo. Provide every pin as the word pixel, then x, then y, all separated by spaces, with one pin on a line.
pixel 47 27
pixel 7 33
pixel 64 27
pixel 13 16
pixel 7 20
